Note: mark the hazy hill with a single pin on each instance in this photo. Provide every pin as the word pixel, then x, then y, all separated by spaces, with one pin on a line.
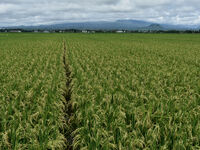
pixel 154 27
pixel 107 25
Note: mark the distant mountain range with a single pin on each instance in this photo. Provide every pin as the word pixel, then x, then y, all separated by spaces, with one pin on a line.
pixel 109 25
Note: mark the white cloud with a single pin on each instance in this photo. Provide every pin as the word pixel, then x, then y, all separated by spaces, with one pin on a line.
pixel 4 8
pixel 34 12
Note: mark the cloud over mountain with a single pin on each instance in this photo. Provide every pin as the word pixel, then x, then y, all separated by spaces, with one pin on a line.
pixel 34 12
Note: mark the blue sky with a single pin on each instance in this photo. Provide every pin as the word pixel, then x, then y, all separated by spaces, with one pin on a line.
pixel 35 12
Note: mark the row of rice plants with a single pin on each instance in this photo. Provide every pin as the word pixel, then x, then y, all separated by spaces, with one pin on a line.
pixel 135 91
pixel 32 80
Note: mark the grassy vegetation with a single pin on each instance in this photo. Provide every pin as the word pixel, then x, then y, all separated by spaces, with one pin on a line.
pixel 128 91
pixel 32 80
pixel 136 91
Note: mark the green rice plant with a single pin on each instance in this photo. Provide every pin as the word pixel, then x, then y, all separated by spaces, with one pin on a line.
pixel 104 91
pixel 135 91
pixel 32 81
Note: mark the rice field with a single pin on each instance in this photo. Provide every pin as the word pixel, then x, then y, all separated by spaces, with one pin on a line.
pixel 32 81
pixel 100 91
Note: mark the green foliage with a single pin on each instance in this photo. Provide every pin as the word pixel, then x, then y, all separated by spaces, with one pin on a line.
pixel 135 91
pixel 32 81
pixel 127 91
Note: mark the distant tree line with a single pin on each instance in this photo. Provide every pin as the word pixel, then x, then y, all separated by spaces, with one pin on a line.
pixel 98 31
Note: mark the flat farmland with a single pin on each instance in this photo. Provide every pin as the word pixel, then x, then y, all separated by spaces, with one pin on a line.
pixel 99 91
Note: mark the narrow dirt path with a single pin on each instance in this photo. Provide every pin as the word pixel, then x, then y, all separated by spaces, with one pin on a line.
pixel 68 107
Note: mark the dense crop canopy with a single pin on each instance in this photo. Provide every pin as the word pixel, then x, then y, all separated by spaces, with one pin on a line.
pixel 136 91
pixel 103 91
pixel 31 82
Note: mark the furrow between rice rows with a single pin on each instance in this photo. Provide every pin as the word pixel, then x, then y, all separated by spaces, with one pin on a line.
pixel 68 108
